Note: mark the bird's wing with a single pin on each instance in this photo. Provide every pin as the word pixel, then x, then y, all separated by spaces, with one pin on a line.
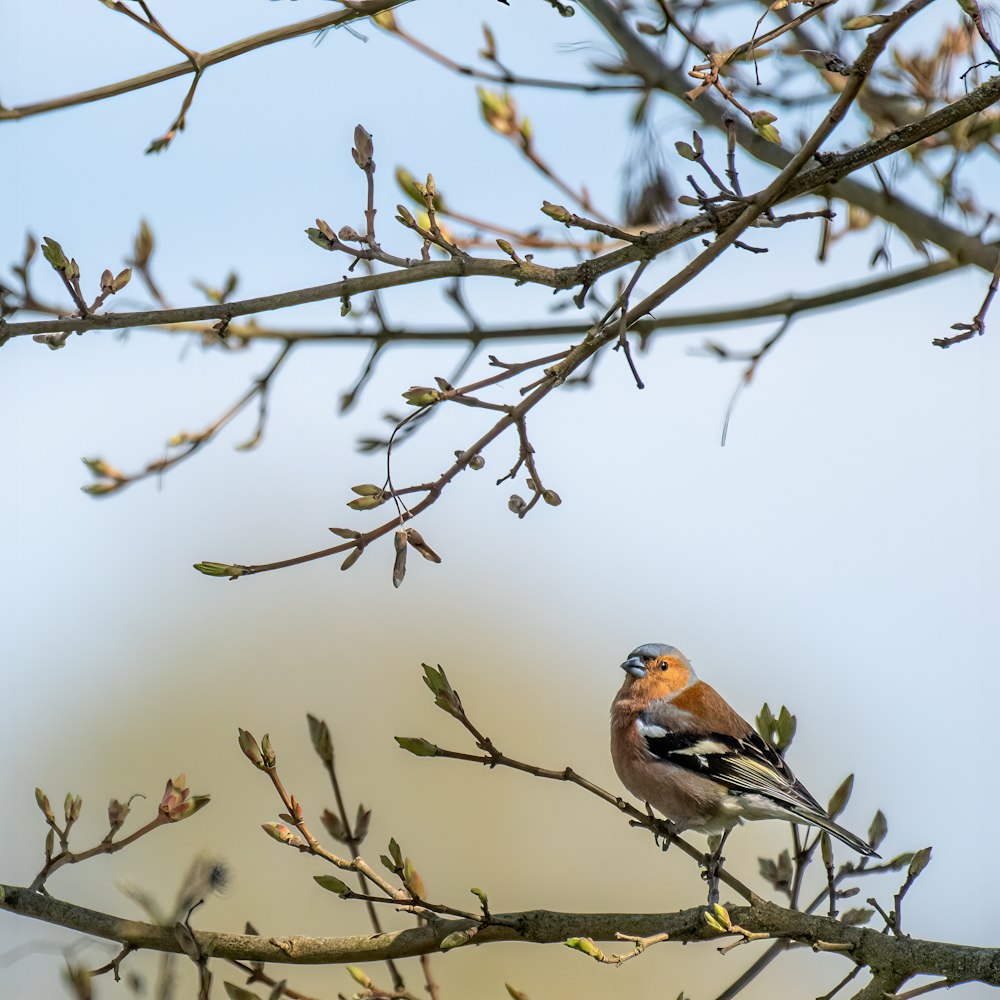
pixel 741 761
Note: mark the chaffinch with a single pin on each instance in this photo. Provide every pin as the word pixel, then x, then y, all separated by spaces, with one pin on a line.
pixel 678 746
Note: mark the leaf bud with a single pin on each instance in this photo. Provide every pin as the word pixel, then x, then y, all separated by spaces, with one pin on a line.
pixel 416 745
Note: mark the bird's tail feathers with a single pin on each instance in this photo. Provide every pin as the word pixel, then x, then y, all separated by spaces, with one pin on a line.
pixel 852 841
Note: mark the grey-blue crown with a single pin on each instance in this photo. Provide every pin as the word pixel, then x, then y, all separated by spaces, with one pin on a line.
pixel 653 650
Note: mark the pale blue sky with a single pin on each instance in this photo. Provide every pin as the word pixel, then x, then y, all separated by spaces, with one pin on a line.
pixel 837 556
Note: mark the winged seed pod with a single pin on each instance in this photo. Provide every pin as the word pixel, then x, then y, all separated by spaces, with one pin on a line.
pixel 399 563
pixel 417 541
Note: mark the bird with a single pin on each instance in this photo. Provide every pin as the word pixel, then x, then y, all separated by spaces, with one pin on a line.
pixel 681 748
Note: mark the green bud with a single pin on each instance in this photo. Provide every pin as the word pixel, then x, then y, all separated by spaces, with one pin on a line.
pixel 769 134
pixel 348 533
pixel 333 884
pixel 284 835
pixel 363 148
pixel 413 880
pixel 397 854
pixel 878 829
pixel 416 745
pixel 318 238
pixel 477 462
pixel 685 150
pixel 840 797
pixel 359 977
pixel 221 569
pixel 352 557
pixel 761 118
pixel 456 939
pixel 233 991
pixel 319 733
pixel 506 247
pixel 826 848
pixel 43 803
pixel 100 489
pixel 366 503
pixel 53 253
pixel 552 498
pixel 557 212
pixel 585 945
pixel 871 20
pixel 421 395
pixel 785 728
pixel 920 861
pixel 267 751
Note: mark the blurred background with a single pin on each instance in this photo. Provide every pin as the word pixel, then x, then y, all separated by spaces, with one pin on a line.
pixel 838 556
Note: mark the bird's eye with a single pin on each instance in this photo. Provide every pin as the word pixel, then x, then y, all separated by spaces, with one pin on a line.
pixel 664 665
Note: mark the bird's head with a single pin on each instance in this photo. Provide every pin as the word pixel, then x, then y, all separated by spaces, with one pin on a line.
pixel 657 671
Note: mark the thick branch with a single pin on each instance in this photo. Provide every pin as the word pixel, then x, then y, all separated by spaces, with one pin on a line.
pixel 962 247
pixel 902 955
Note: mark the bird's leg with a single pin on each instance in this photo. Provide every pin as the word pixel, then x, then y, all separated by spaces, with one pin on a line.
pixel 654 821
pixel 713 863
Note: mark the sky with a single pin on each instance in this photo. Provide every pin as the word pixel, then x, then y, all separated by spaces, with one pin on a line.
pixel 838 555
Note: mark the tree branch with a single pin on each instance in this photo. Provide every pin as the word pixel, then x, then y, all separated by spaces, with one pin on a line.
pixel 912 956
pixel 920 226
pixel 359 10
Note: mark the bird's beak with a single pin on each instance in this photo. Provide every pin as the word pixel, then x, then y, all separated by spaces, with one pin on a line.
pixel 634 666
